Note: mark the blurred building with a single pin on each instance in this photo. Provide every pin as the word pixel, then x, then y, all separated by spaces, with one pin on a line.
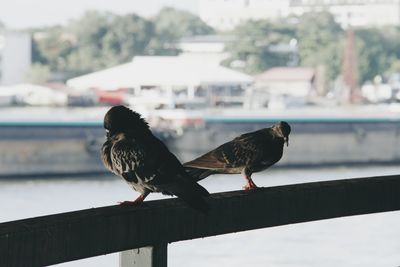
pixel 209 47
pixel 166 81
pixel 284 86
pixel 15 57
pixel 227 14
pixel 293 81
pixel 353 12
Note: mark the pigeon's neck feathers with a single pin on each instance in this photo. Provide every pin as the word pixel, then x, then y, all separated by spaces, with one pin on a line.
pixel 136 128
pixel 276 131
pixel 268 130
pixel 137 123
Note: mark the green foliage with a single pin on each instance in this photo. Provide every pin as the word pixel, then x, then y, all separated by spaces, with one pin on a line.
pixel 394 66
pixel 52 48
pixel 128 35
pixel 170 25
pixel 377 51
pixel 320 41
pixel 105 40
pixel 254 40
pixel 99 40
pixel 38 74
pixel 173 24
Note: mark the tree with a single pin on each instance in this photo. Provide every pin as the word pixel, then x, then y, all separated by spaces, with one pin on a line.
pixel 105 40
pixel 89 30
pixel 377 51
pixel 51 47
pixel 38 74
pixel 320 41
pixel 173 24
pixel 170 25
pixel 253 45
pixel 98 40
pixel 127 36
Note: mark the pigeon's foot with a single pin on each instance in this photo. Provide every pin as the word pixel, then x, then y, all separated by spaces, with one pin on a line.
pixel 250 184
pixel 139 200
pixel 126 203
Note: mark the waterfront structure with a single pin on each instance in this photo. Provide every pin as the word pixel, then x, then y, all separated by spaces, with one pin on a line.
pixel 341 136
pixel 15 57
pixel 227 14
pixel 167 80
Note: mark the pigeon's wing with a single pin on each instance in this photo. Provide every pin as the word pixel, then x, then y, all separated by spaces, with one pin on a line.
pixel 157 169
pixel 235 153
pixel 171 178
pixel 128 157
pixel 170 172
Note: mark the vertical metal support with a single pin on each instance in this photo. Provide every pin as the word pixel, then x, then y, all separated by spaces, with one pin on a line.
pixel 191 89
pixel 155 256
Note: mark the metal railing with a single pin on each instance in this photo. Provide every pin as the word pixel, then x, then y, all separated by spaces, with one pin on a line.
pixel 86 233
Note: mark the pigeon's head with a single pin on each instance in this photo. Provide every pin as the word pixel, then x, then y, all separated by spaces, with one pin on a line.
pixel 283 130
pixel 120 119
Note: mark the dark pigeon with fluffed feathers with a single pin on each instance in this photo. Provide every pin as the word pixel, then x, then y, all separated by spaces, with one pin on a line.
pixel 132 152
pixel 246 154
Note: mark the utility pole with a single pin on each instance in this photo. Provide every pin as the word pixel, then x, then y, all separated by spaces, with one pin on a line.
pixel 350 67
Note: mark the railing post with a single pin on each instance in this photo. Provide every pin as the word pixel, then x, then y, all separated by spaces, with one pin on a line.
pixel 155 256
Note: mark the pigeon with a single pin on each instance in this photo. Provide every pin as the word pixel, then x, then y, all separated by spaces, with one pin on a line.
pixel 132 152
pixel 246 154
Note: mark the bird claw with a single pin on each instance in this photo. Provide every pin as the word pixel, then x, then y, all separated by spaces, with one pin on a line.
pixel 249 187
pixel 139 200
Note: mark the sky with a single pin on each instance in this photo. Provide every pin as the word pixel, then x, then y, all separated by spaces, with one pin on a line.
pixel 19 14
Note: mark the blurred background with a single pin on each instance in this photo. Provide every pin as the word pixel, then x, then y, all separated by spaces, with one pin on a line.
pixel 202 72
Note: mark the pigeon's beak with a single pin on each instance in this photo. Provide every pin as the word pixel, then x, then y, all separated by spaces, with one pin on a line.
pixel 286 139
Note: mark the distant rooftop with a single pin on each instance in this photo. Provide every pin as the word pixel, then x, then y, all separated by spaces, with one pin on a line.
pixel 161 71
pixel 213 38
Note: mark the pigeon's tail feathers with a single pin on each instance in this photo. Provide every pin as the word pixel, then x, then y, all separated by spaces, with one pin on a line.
pixel 198 174
pixel 195 202
pixel 194 187
pixel 193 194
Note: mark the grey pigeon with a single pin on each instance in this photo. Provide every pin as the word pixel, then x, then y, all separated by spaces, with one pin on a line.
pixel 132 152
pixel 246 154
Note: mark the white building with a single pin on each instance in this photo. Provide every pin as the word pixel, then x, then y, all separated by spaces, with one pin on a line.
pixel 15 57
pixel 353 12
pixel 227 14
